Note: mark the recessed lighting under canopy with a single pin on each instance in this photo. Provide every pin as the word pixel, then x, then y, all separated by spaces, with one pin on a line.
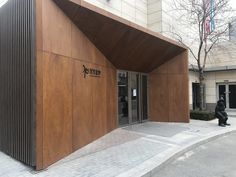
pixel 2 2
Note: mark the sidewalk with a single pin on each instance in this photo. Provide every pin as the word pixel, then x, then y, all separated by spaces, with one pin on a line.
pixel 133 151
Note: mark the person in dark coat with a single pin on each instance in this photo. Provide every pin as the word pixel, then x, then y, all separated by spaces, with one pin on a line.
pixel 220 113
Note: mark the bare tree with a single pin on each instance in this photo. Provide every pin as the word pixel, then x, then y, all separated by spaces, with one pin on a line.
pixel 209 23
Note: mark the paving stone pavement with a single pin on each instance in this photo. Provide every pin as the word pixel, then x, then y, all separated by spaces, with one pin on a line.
pixel 134 151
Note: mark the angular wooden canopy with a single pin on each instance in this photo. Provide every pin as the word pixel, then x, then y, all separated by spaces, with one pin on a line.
pixel 127 45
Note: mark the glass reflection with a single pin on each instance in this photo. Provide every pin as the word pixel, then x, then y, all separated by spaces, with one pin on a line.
pixel 123 98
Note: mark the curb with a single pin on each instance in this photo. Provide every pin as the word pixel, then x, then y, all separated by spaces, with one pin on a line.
pixel 184 150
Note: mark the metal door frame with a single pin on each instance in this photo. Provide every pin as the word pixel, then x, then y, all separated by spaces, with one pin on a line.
pixel 226 84
pixel 140 101
pixel 141 97
pixel 130 97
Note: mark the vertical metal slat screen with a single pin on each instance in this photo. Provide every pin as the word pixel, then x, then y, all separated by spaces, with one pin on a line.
pixel 17 80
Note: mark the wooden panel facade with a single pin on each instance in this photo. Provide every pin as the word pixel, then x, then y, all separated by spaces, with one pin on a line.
pixel 66 85
pixel 113 36
pixel 168 94
pixel 82 101
pixel 72 110
pixel 57 107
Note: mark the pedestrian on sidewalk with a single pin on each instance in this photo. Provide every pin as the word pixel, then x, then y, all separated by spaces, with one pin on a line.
pixel 220 113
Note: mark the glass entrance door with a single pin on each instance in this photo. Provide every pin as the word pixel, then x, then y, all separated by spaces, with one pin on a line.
pixel 228 92
pixel 123 109
pixel 232 96
pixel 132 97
pixel 144 97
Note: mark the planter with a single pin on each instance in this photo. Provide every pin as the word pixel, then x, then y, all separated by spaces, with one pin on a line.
pixel 202 115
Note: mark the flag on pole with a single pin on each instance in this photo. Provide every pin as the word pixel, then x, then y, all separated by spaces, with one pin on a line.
pixel 210 18
pixel 212 15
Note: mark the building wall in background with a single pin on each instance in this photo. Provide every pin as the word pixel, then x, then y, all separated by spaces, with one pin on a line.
pixel 154 15
pixel 223 55
pixel 214 78
pixel 132 10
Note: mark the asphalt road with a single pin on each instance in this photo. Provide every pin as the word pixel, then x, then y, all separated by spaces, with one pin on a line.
pixel 214 159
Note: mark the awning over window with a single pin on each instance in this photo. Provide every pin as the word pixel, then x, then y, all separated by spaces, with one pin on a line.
pixel 126 45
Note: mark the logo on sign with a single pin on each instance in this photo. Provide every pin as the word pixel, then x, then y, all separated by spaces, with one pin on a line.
pixel 91 72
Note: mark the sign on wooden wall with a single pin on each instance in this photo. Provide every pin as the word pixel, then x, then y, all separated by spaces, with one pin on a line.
pixel 92 72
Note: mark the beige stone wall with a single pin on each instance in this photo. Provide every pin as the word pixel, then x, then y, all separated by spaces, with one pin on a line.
pixel 132 10
pixel 214 78
pixel 154 15
pixel 223 55
pixel 211 81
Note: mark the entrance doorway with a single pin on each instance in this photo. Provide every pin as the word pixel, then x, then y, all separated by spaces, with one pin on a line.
pixel 196 95
pixel 228 92
pixel 132 97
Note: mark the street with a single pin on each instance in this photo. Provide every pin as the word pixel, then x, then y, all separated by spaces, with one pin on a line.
pixel 214 159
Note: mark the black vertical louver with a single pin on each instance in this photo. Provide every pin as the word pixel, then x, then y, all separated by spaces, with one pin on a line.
pixel 17 59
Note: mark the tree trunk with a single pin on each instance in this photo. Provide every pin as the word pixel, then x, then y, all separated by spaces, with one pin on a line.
pixel 201 83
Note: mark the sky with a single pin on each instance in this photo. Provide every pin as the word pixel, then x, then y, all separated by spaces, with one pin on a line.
pixel 233 3
pixel 2 2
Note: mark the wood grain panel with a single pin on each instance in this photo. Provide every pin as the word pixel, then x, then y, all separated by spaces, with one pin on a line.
pixel 71 111
pixel 82 107
pixel 169 91
pixel 57 108
pixel 81 46
pixel 56 29
pixel 178 98
pixel 39 32
pixel 111 99
pixel 93 104
pixel 99 104
pixel 85 50
pixel 179 64
pixel 158 97
pixel 127 45
pixel 39 111
pixel 39 86
pixel 98 57
pixel 163 69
